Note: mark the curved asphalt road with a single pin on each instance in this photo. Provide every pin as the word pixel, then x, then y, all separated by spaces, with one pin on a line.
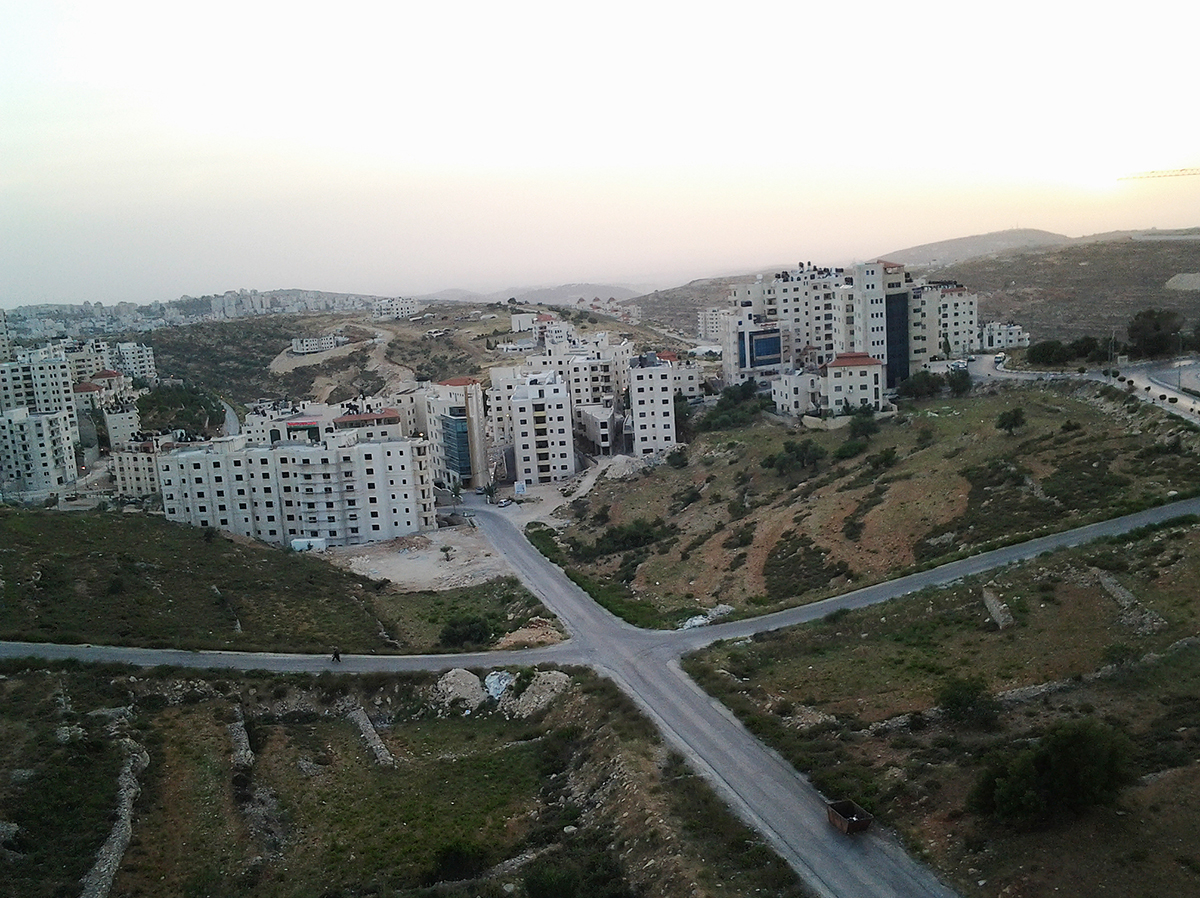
pixel 757 783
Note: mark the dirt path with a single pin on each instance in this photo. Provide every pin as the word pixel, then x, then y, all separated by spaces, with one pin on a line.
pixel 392 374
pixel 421 561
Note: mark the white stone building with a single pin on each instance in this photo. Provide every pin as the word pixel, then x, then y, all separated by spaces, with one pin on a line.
pixel 452 418
pixel 708 323
pixel 271 422
pixel 543 442
pixel 308 345
pixel 688 377
pixel 6 349
pixel 1001 335
pixel 595 371
pixel 121 423
pixel 42 385
pixel 796 393
pixel 598 427
pixel 851 380
pixel 136 360
pixel 342 489
pixel 37 453
pixel 395 307
pixel 135 470
pixel 650 420
pixel 85 358
pixel 811 314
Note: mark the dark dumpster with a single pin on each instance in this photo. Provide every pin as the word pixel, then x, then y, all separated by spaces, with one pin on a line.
pixel 848 816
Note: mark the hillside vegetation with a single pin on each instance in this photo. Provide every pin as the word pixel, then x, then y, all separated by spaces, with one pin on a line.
pixel 112 578
pixel 573 800
pixel 231 358
pixel 1081 288
pixel 745 518
pixel 939 721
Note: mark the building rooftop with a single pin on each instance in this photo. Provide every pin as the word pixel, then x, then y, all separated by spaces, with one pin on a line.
pixel 852 359
pixel 385 416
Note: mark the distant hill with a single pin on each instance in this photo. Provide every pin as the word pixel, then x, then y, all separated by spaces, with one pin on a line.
pixel 1092 285
pixel 562 295
pixel 960 249
pixel 676 307
pixel 1056 286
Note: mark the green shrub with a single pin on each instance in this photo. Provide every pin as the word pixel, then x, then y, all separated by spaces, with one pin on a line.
pixel 1075 766
pixel 966 700
pixel 466 630
pixel 850 449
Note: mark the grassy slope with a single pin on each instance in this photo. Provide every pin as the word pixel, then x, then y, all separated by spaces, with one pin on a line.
pixel 1084 288
pixel 866 667
pixel 758 540
pixel 112 578
pixel 230 358
pixel 582 793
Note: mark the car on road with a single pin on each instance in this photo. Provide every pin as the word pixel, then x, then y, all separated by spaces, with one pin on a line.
pixel 480 490
pixel 504 503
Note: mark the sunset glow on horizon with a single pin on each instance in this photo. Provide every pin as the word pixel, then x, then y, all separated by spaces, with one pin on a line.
pixel 149 150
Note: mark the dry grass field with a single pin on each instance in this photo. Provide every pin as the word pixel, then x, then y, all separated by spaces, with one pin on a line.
pixel 134 579
pixel 938 481
pixel 1106 632
pixel 576 800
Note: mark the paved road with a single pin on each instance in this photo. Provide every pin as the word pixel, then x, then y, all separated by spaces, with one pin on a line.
pixel 232 425
pixel 756 782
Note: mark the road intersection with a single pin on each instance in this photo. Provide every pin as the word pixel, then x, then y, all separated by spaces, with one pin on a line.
pixel 763 788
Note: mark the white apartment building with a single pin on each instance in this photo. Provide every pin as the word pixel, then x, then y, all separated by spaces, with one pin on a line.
pixel 945 315
pixel 650 419
pixel 85 358
pixel 6 349
pixel 796 393
pixel 689 379
pixel 708 323
pixel 135 470
pixel 136 360
pixel 452 418
pixel 395 307
pixel 595 371
pixel 308 345
pixel 543 443
pixel 272 422
pixel 851 380
pixel 122 424
pixel 114 386
pixel 42 385
pixel 810 315
pixel 87 396
pixel 998 335
pixel 752 347
pixel 37 452
pixel 340 489
pixel 599 426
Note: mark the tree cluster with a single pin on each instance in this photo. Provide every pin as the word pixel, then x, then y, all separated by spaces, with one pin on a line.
pixel 927 384
pixel 1011 420
pixel 1074 766
pixel 803 455
pixel 1055 352
pixel 737 407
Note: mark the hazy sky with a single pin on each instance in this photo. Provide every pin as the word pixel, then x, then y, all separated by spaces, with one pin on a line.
pixel 149 150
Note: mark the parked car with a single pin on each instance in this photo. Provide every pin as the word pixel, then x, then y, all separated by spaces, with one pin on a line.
pixel 504 503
